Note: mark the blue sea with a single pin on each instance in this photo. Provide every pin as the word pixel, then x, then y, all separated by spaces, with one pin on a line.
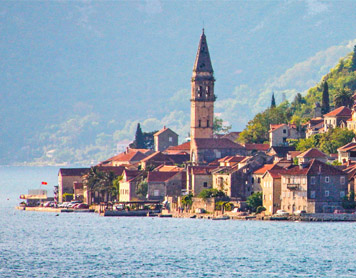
pixel 35 244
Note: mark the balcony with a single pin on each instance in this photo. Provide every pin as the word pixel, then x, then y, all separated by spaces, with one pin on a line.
pixel 292 186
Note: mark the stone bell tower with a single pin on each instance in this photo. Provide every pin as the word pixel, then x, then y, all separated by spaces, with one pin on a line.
pixel 202 95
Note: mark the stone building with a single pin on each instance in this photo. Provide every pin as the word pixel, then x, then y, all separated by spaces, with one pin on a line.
pixel 271 189
pixel 164 139
pixel 347 153
pixel 165 184
pixel 315 187
pixel 199 178
pixel 310 154
pixel 279 133
pixel 337 118
pixel 128 185
pixel 66 179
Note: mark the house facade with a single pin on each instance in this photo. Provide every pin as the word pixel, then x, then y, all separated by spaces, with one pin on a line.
pixel 337 118
pixel 279 133
pixel 164 139
pixel 316 188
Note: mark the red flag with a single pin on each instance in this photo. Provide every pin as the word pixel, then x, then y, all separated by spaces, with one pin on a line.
pixel 44 182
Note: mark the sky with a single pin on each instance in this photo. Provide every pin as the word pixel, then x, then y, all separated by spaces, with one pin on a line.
pixel 122 62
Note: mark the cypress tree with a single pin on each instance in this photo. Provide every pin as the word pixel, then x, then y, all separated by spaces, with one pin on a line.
pixel 353 61
pixel 325 105
pixel 273 101
pixel 139 140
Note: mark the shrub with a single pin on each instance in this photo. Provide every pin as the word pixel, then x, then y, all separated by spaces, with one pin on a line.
pixel 260 209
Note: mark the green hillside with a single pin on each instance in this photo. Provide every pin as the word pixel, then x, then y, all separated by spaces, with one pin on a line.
pixel 340 83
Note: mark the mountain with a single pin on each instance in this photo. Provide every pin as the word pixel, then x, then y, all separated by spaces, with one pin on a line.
pixel 78 76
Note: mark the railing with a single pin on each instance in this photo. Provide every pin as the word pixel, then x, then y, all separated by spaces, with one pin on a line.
pixel 292 186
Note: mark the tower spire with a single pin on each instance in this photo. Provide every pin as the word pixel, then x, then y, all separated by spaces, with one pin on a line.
pixel 202 60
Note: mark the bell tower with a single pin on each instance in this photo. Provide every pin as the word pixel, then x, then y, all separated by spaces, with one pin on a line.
pixel 202 94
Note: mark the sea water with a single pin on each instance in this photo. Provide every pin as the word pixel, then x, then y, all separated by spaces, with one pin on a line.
pixel 44 244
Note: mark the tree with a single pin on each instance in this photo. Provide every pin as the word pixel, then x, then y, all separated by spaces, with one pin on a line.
pixel 273 101
pixel 187 200
pixel 325 106
pixel 343 97
pixel 353 60
pixel 211 193
pixel 219 127
pixel 139 139
pixel 254 201
pixel 116 187
pixel 142 189
pixel 348 201
pixel 100 182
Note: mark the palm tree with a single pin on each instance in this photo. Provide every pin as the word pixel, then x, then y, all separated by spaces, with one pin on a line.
pixel 343 97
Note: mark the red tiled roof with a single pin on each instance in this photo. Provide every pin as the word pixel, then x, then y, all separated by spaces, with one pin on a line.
pixel 258 147
pixel 312 153
pixel 156 156
pixel 276 171
pixel 276 126
pixel 342 111
pixel 168 168
pixel 182 147
pixel 314 167
pixel 347 147
pixel 263 169
pixel 232 159
pixel 294 154
pixel 213 143
pixel 160 176
pixel 163 130
pixel 130 155
pixel 201 170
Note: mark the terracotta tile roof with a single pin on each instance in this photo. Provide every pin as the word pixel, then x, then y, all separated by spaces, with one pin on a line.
pixel 232 159
pixel 312 153
pixel 349 120
pixel 213 143
pixel 168 168
pixel 347 147
pixel 163 130
pixel 258 147
pixel 129 156
pixel 276 126
pixel 179 158
pixel 281 151
pixel 342 111
pixel 73 171
pixel 294 154
pixel 201 170
pixel 263 169
pixel 314 167
pixel 160 176
pixel 156 156
pixel 276 171
pixel 131 173
pixel 182 147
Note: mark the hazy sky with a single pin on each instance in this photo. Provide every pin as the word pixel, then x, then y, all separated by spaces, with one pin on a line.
pixel 133 60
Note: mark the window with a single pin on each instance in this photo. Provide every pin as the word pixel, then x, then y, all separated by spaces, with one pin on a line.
pixel 342 180
pixel 342 194
pixel 252 180
pixel 284 131
pixel 312 194
pixel 156 193
pixel 312 180
pixel 304 180
pixel 205 184
pixel 170 139
pixel 207 123
pixel 199 123
pixel 327 179
pixel 327 193
pixel 259 180
pixel 270 197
